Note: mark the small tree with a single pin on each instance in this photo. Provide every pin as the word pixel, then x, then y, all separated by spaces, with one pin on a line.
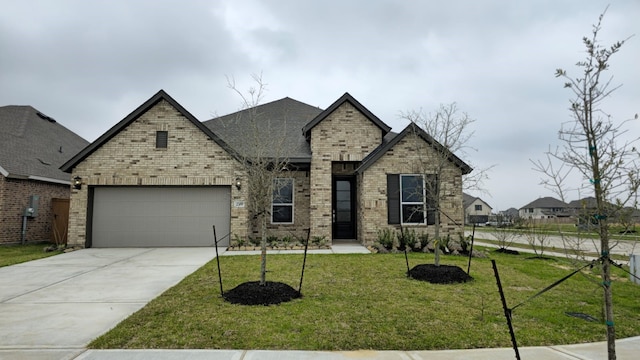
pixel 536 235
pixel 263 161
pixel 450 129
pixel 594 145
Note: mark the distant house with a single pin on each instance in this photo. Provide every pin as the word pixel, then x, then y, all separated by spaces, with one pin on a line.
pixel 510 214
pixel 476 210
pixel 545 208
pixel 32 148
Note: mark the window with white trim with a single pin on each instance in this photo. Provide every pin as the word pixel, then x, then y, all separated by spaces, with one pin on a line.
pixel 282 201
pixel 412 199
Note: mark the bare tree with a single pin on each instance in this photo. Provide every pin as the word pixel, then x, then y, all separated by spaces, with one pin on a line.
pixel 596 147
pixel 537 236
pixel 263 160
pixel 450 129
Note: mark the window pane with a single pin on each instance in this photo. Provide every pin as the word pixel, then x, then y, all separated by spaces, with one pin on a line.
pixel 412 214
pixel 283 191
pixel 282 214
pixel 412 188
pixel 162 139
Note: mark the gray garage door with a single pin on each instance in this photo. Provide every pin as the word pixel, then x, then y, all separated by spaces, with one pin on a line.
pixel 159 216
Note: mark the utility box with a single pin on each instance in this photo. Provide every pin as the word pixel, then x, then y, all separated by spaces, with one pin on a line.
pixel 634 268
pixel 32 209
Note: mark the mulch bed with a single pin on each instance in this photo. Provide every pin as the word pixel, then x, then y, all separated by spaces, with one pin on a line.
pixel 443 274
pixel 252 293
pixel 507 251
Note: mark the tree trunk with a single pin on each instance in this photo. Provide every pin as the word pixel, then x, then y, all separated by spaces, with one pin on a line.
pixel 263 251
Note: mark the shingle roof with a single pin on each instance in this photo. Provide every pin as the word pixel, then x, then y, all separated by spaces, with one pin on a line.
pixel 467 200
pixel 545 203
pixel 411 129
pixel 34 145
pixel 285 116
pixel 159 96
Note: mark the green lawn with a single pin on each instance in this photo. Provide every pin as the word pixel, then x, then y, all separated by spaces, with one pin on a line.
pixel 15 254
pixel 366 302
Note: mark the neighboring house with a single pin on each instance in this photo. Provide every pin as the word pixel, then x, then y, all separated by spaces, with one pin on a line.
pixel 160 177
pixel 510 214
pixel 476 210
pixel 33 146
pixel 545 208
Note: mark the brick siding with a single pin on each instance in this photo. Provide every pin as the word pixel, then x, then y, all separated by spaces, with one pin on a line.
pixel 131 158
pixel 403 158
pixel 14 198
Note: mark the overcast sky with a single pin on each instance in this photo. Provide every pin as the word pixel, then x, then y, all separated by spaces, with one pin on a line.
pixel 88 64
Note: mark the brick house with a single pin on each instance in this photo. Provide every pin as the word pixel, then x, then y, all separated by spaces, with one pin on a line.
pixel 160 177
pixel 32 148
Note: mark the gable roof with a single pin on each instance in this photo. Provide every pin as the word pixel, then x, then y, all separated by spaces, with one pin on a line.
pixel 159 96
pixel 351 100
pixel 280 121
pixel 469 199
pixel 545 203
pixel 34 145
pixel 412 128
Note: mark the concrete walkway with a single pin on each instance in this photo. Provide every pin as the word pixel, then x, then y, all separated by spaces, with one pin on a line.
pixel 52 308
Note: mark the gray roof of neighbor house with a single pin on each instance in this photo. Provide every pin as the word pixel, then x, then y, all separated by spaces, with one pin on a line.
pixel 34 145
pixel 278 125
pixel 588 202
pixel 469 199
pixel 545 203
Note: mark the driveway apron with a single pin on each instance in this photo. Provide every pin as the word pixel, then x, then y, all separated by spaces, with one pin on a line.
pixel 66 301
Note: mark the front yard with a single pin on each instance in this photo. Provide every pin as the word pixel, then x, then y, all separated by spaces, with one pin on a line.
pixel 367 302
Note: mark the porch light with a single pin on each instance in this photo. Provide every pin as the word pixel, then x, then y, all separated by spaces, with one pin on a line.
pixel 238 184
pixel 77 183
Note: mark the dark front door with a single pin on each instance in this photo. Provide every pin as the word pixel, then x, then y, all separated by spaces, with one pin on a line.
pixel 344 208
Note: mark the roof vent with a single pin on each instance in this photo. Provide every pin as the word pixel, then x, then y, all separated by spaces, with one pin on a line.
pixel 45 117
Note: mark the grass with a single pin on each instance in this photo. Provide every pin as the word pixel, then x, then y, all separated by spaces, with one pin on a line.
pixel 16 254
pixel 366 302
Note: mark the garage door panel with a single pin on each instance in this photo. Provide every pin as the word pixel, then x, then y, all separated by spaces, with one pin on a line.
pixel 159 216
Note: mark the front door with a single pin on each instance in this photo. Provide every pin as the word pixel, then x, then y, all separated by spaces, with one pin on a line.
pixel 344 207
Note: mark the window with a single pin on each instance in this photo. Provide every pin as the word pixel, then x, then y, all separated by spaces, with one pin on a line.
pixel 412 199
pixel 162 138
pixel 478 207
pixel 408 201
pixel 282 201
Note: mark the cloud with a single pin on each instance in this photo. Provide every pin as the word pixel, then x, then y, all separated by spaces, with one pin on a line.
pixel 88 64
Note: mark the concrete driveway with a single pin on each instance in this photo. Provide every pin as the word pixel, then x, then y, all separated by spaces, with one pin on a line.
pixel 53 307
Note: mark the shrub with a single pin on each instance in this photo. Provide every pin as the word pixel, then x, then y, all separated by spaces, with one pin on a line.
pixel 319 240
pixel 238 241
pixel 386 238
pixel 408 239
pixel 424 240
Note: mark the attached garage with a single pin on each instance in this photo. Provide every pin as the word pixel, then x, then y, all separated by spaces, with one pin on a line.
pixel 159 216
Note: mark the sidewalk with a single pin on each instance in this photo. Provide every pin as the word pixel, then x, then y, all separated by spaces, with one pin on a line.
pixel 626 349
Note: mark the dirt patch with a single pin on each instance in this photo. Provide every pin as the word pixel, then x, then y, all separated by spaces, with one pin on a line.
pixel 252 293
pixel 443 274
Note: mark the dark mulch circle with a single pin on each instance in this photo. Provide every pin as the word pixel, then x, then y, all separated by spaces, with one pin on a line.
pixel 507 251
pixel 252 293
pixel 443 274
